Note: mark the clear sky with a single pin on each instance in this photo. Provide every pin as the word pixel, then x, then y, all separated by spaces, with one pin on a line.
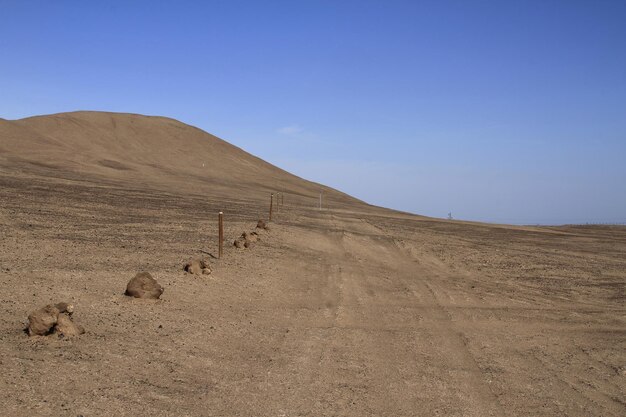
pixel 503 111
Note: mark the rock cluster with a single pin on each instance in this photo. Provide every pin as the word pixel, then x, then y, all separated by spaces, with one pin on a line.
pixel 197 267
pixel 53 319
pixel 246 240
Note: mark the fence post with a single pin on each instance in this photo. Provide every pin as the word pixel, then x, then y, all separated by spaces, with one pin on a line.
pixel 271 204
pixel 221 234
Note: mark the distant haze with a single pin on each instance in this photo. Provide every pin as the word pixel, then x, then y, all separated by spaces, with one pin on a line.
pixel 510 112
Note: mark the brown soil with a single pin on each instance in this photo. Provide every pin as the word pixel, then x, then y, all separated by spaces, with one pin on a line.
pixel 349 311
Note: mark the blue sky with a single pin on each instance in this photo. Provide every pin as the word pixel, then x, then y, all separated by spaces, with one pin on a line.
pixel 498 111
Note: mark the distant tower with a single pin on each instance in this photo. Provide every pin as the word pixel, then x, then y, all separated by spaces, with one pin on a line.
pixel 450 216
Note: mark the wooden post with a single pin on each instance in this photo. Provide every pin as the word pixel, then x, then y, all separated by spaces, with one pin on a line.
pixel 271 204
pixel 221 234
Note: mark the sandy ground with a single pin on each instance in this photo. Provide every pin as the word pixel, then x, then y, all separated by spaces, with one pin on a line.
pixel 339 312
pixel 348 311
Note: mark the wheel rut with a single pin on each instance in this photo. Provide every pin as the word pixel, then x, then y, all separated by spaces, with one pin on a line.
pixel 391 326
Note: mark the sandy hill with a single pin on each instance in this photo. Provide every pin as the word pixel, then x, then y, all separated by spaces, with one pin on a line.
pixel 153 152
pixel 349 311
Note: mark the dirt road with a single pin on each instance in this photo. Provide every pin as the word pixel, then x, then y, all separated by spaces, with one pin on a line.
pixel 334 312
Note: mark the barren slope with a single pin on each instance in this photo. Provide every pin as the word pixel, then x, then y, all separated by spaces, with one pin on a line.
pixel 154 152
pixel 349 311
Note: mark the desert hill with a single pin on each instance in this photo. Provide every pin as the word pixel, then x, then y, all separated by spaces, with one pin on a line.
pixel 352 310
pixel 146 151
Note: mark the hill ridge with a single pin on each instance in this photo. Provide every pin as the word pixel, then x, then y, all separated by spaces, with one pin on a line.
pixel 153 150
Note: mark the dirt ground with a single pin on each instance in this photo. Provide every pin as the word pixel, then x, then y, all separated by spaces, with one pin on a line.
pixel 338 312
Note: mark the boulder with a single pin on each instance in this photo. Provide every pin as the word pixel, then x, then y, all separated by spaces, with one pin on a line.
pixel 41 322
pixel 53 318
pixel 66 327
pixel 144 286
pixel 262 225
